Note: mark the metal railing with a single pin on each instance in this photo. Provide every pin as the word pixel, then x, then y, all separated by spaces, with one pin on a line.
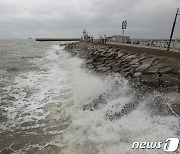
pixel 149 43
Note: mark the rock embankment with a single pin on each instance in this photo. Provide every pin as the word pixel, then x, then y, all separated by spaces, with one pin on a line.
pixel 145 69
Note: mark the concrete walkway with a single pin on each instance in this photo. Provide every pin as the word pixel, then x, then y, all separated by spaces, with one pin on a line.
pixel 141 46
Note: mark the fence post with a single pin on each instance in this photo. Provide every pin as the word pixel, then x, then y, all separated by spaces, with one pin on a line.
pixel 161 44
pixel 140 41
pixel 151 43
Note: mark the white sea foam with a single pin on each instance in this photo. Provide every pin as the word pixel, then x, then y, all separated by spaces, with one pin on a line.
pixel 91 129
pixel 36 89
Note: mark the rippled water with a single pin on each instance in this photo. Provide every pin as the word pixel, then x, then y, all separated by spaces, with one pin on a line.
pixel 51 104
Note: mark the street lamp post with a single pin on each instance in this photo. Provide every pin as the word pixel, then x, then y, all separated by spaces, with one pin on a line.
pixel 124 24
pixel 172 31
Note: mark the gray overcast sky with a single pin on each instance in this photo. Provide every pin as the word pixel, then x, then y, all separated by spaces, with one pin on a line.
pixel 68 18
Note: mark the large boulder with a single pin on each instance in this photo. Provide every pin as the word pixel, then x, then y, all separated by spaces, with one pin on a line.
pixel 169 79
pixel 147 60
pixel 116 68
pixel 90 66
pixel 134 61
pixel 120 54
pixel 154 69
pixel 143 67
pixel 150 79
pixel 165 69
pixel 137 74
pixel 103 69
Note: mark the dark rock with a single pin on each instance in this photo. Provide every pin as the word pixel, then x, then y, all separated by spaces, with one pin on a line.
pixel 134 61
pixel 130 57
pixel 113 53
pixel 125 58
pixel 173 88
pixel 156 61
pixel 137 74
pixel 143 68
pixel 95 103
pixel 176 71
pixel 147 61
pixel 175 105
pixel 89 56
pixel 127 69
pixel 169 79
pixel 126 109
pixel 103 69
pixel 159 106
pixel 109 61
pixel 116 68
pixel 90 66
pixel 113 63
pixel 101 65
pixel 120 55
pixel 12 69
pixel 126 74
pixel 100 59
pixel 153 70
pixel 142 55
pixel 89 61
pixel 96 56
pixel 119 64
pixel 97 63
pixel 103 52
pixel 135 65
pixel 150 79
pixel 141 58
pixel 7 151
pixel 124 65
pixel 165 70
pixel 110 57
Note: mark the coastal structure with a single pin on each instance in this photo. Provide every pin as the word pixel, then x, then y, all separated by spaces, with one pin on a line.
pixel 161 44
pixel 57 39
pixel 146 69
pixel 120 39
pixel 152 67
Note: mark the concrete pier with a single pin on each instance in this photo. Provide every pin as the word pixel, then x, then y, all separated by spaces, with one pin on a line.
pixel 57 39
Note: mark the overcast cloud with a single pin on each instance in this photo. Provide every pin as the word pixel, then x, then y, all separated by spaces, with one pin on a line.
pixel 68 18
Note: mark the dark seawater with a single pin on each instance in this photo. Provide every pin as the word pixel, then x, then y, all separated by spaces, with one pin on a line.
pixel 47 106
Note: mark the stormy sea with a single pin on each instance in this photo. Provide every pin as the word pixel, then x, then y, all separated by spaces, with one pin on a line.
pixel 51 104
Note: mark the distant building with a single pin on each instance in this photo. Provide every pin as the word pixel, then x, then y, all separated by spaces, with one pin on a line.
pixel 86 37
pixel 120 39
pixel 109 38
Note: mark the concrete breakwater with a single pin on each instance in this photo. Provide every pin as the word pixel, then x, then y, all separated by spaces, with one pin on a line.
pixel 147 72
pixel 152 70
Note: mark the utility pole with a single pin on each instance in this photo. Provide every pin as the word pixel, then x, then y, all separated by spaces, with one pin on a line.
pixel 172 31
pixel 124 24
